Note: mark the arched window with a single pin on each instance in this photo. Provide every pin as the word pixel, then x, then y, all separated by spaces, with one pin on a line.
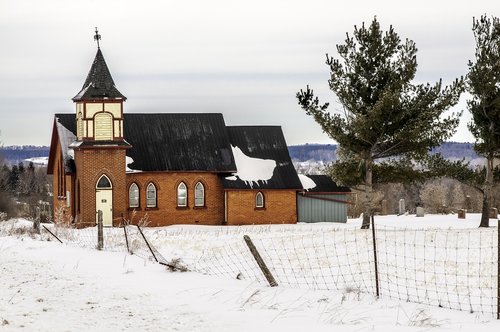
pixel 103 183
pixel 259 200
pixel 133 196
pixel 151 195
pixel 199 194
pixel 103 124
pixel 181 194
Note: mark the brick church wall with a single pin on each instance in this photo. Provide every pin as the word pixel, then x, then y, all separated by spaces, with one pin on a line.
pixel 167 212
pixel 280 206
pixel 90 165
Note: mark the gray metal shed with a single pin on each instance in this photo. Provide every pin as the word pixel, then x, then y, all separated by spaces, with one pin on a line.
pixel 323 202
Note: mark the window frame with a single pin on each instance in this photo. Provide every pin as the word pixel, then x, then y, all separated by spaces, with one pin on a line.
pixel 138 205
pixel 148 199
pixel 104 188
pixel 197 195
pixel 262 205
pixel 179 204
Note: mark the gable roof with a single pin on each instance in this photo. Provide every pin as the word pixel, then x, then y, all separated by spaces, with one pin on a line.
pixel 173 141
pixel 261 147
pixel 325 184
pixel 64 136
pixel 99 83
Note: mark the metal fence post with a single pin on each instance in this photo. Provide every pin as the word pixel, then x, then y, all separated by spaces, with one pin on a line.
pixel 377 288
pixel 100 237
pixel 262 265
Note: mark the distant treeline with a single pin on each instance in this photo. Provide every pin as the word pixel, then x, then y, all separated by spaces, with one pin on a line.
pixel 14 154
pixel 316 152
pixel 328 152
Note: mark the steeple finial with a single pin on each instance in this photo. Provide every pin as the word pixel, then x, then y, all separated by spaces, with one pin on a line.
pixel 97 37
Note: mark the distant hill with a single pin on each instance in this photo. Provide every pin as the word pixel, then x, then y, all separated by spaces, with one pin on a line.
pixel 317 153
pixel 327 153
pixel 15 154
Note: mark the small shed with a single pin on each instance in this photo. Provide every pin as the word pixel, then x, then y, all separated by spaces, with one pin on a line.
pixel 322 200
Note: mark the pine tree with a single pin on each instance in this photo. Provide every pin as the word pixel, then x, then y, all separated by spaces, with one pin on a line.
pixel 483 83
pixel 383 114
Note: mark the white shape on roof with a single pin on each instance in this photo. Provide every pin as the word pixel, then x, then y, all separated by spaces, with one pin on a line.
pixel 251 169
pixel 307 182
pixel 128 161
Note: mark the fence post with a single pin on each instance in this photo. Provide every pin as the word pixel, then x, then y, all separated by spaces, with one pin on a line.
pixel 58 239
pixel 498 268
pixel 262 265
pixel 125 231
pixel 100 237
pixel 150 249
pixel 36 222
pixel 377 289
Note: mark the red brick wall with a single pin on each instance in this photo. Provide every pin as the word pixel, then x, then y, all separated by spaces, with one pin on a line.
pixel 61 183
pixel 91 164
pixel 279 207
pixel 167 212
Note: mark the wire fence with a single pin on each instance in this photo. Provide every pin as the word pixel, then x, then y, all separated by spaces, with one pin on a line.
pixel 449 268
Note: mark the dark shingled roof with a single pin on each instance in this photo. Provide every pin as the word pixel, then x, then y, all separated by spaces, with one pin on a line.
pixel 99 83
pixel 174 141
pixel 263 142
pixel 178 142
pixel 325 184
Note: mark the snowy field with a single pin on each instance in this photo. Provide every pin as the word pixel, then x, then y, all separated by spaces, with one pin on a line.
pixel 48 286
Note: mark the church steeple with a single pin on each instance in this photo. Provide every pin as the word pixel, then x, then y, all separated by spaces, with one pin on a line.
pixel 99 104
pixel 99 83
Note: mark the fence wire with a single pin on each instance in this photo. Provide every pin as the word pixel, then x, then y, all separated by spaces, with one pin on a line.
pixel 450 268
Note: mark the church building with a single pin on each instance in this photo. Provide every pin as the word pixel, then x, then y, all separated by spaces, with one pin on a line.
pixel 176 168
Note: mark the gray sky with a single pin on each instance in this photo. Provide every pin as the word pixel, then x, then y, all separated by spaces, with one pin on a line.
pixel 246 60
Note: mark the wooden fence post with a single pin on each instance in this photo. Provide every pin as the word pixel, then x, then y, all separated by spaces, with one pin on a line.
pixel 147 243
pixel 125 231
pixel 58 239
pixel 100 237
pixel 377 288
pixel 36 222
pixel 262 265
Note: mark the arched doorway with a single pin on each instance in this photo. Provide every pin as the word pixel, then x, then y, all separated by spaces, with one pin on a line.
pixel 104 200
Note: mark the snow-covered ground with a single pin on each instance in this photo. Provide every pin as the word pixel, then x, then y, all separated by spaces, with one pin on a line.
pixel 48 286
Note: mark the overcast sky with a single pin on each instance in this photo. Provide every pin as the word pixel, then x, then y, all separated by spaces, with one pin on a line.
pixel 246 60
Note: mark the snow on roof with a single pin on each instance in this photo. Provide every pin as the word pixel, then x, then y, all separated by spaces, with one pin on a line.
pixel 81 93
pixel 128 161
pixel 307 182
pixel 67 138
pixel 251 170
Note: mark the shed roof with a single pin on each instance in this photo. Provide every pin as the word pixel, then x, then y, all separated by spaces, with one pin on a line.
pixel 325 184
pixel 99 83
pixel 265 143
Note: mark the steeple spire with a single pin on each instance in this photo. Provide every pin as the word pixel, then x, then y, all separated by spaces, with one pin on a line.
pixel 97 37
pixel 99 83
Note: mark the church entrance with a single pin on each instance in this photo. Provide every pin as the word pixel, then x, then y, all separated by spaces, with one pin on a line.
pixel 104 200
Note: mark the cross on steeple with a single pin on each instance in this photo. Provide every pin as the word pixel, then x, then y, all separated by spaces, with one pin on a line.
pixel 97 37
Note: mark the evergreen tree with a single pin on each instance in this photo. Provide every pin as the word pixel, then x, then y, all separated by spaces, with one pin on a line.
pixel 20 168
pixel 483 83
pixel 383 114
pixel 13 179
